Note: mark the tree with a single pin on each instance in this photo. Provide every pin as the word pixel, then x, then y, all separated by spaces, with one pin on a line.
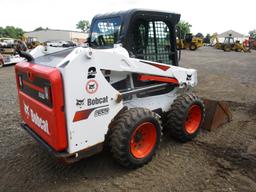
pixel 11 32
pixel 41 28
pixel 184 28
pixel 252 33
pixel 83 25
pixel 2 32
pixel 207 38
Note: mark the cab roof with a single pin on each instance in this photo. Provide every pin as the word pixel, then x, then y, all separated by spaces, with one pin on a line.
pixel 127 15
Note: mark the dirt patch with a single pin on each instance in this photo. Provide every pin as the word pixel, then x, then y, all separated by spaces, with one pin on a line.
pixel 221 160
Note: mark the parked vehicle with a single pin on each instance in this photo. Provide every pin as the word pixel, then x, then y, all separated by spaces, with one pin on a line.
pixel 6 42
pixel 57 43
pixel 70 44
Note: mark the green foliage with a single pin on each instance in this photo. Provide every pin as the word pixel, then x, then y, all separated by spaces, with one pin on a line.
pixel 11 32
pixel 184 28
pixel 2 32
pixel 41 28
pixel 253 33
pixel 207 38
pixel 83 25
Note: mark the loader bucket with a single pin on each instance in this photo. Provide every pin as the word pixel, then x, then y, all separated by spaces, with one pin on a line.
pixel 217 114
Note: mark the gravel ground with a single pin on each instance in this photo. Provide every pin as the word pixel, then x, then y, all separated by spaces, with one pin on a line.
pixel 220 160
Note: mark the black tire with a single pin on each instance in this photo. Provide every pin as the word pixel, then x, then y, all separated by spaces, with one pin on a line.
pixel 192 47
pixel 227 48
pixel 179 117
pixel 124 134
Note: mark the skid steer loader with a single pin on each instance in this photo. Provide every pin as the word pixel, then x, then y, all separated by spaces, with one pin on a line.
pixel 119 91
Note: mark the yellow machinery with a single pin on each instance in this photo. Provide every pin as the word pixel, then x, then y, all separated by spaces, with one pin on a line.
pixel 190 42
pixel 31 42
pixel 230 44
pixel 215 41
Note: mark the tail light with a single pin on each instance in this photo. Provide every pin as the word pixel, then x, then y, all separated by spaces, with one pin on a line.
pixel 20 81
pixel 36 87
pixel 47 92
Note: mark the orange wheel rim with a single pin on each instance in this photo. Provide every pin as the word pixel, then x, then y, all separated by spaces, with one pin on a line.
pixel 143 140
pixel 193 120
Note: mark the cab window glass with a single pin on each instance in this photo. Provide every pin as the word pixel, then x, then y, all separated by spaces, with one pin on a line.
pixel 152 41
pixel 105 32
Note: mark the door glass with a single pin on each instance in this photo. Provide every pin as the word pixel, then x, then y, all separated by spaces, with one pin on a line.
pixel 163 42
pixel 105 32
pixel 152 42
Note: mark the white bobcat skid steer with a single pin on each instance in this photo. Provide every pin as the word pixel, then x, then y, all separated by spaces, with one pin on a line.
pixel 115 90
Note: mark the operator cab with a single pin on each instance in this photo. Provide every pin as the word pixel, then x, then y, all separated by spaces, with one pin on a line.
pixel 146 35
pixel 189 37
pixel 229 40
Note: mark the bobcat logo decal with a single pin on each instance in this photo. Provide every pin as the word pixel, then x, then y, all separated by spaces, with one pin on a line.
pixel 189 77
pixel 80 102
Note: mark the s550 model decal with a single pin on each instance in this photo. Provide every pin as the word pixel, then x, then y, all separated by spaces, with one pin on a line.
pixel 101 112
pixel 36 119
pixel 84 114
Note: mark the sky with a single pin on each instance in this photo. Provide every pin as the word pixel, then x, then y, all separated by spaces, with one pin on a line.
pixel 205 16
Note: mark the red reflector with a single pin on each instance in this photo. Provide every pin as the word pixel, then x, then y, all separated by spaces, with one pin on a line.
pixel 81 115
pixel 158 78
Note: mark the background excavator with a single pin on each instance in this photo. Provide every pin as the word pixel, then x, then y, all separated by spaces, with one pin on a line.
pixel 190 42
pixel 229 44
pixel 31 42
pixel 215 41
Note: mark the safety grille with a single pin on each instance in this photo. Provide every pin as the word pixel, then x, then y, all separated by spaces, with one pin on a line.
pixel 152 42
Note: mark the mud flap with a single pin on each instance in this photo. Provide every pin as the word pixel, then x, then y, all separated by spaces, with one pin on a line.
pixel 217 114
